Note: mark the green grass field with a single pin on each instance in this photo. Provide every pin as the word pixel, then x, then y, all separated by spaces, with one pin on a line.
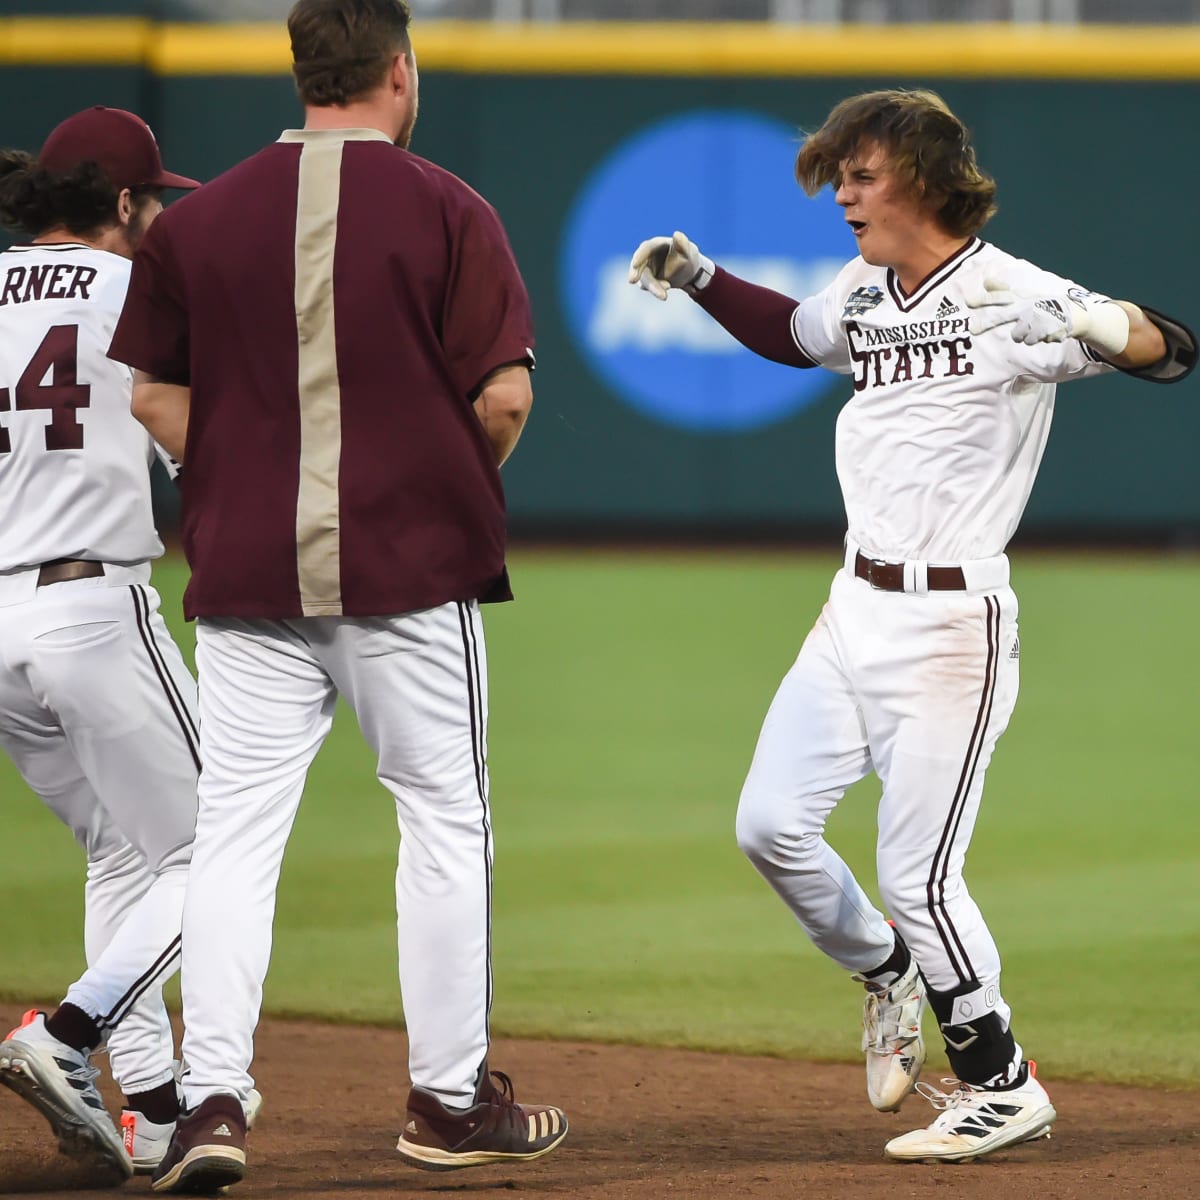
pixel 627 690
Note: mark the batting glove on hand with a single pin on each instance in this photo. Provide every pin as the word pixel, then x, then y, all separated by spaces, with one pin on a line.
pixel 1037 318
pixel 662 263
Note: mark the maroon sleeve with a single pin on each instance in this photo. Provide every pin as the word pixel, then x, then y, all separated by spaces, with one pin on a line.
pixel 152 333
pixel 487 321
pixel 759 318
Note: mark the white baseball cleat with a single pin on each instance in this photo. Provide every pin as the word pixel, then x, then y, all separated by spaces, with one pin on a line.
pixel 147 1142
pixel 975 1121
pixel 892 1038
pixel 60 1082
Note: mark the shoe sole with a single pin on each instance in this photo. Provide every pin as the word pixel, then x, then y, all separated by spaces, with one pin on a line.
pixel 204 1171
pixel 429 1158
pixel 77 1139
pixel 1039 1127
pixel 1044 1132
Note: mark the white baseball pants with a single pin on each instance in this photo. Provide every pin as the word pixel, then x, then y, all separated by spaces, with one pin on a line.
pixel 97 711
pixel 418 685
pixel 918 688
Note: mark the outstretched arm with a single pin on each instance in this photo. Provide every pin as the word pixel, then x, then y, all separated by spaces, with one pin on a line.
pixel 1135 339
pixel 1145 344
pixel 758 317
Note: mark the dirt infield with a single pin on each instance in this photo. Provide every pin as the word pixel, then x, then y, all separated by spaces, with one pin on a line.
pixel 649 1124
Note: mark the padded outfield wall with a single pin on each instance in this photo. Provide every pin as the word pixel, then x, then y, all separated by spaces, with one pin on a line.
pixel 587 138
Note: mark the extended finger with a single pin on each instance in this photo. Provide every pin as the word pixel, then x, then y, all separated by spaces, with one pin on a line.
pixel 649 283
pixel 991 299
pixel 992 291
pixel 993 318
pixel 644 254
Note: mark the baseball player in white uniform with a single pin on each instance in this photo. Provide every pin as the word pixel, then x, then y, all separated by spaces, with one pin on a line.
pixel 97 709
pixel 954 349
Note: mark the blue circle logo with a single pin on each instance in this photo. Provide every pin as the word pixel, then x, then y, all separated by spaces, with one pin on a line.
pixel 724 178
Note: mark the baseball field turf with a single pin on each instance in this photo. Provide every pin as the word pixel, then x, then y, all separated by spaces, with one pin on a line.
pixel 627 690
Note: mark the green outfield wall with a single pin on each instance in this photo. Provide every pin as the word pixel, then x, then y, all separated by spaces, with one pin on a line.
pixel 587 138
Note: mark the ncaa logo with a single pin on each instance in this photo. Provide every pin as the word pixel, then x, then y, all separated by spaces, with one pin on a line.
pixel 726 179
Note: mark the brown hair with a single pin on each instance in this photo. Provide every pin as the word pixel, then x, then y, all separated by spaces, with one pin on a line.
pixel 341 48
pixel 926 144
pixel 82 200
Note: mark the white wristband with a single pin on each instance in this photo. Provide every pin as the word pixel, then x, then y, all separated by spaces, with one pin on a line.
pixel 1103 326
pixel 702 278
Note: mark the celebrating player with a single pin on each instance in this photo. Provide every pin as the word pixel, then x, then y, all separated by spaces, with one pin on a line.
pixel 97 709
pixel 338 334
pixel 954 349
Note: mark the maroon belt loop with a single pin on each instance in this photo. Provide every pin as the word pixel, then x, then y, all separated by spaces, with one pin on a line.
pixel 63 569
pixel 889 576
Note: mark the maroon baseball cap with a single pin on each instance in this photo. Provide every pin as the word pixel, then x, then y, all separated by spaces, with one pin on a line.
pixel 119 142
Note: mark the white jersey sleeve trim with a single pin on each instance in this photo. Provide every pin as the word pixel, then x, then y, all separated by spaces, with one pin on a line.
pixel 816 323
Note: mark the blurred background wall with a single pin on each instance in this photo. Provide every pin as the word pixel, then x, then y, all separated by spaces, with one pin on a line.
pixel 591 124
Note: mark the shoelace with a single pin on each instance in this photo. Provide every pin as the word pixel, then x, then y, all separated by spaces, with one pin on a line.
pixel 876 1029
pixel 872 1027
pixel 965 1108
pixel 85 1076
pixel 944 1100
pixel 503 1096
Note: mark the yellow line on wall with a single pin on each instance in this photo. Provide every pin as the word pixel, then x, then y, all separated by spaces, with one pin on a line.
pixel 651 49
pixel 773 50
pixel 250 49
pixel 63 41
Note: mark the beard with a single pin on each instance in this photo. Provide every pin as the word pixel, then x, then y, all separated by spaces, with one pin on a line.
pixel 145 210
pixel 404 137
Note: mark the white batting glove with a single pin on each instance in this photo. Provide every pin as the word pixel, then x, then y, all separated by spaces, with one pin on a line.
pixel 662 263
pixel 1038 318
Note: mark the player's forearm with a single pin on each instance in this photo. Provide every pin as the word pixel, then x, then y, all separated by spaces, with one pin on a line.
pixel 1146 343
pixel 502 407
pixel 163 409
pixel 761 319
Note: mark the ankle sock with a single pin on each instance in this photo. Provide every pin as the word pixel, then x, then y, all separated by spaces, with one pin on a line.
pixel 74 1027
pixel 160 1104
pixel 893 966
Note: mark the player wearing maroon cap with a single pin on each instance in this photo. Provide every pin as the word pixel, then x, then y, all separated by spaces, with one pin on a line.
pixel 336 339
pixel 97 709
pixel 120 143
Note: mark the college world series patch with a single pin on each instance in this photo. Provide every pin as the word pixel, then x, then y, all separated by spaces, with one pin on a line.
pixel 862 300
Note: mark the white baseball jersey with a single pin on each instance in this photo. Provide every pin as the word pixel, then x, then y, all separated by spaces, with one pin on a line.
pixel 74 464
pixel 939 446
pixel 97 709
